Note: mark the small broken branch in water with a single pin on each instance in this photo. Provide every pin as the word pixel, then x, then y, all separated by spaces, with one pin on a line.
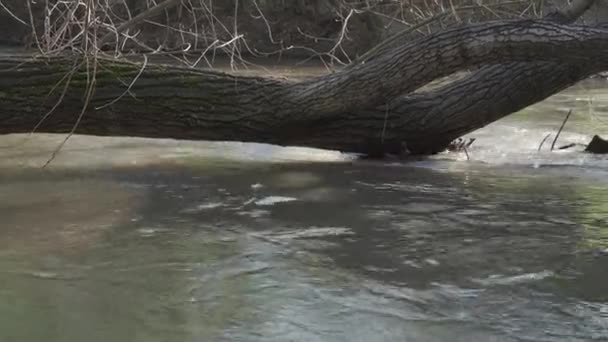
pixel 460 145
pixel 543 142
pixel 560 129
pixel 597 144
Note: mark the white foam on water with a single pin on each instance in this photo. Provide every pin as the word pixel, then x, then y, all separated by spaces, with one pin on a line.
pixel 516 279
pixel 272 200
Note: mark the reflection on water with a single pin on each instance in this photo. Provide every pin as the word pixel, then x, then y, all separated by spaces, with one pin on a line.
pixel 143 240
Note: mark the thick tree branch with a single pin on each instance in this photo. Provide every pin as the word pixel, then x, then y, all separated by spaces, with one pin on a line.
pixel 406 68
pixel 467 104
pixel 427 122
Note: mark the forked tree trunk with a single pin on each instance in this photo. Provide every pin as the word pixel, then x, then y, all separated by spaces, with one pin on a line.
pixel 358 109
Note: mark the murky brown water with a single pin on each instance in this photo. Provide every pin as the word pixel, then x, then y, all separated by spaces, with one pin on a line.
pixel 157 240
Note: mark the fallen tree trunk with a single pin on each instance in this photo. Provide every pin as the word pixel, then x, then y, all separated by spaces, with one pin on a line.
pixel 334 111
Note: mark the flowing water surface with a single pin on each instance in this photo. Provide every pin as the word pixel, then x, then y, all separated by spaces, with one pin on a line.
pixel 159 240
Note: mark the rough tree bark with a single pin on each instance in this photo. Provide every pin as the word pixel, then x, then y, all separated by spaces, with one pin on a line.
pixel 358 109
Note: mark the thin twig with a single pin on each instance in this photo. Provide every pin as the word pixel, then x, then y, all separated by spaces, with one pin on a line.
pixel 13 14
pixel 543 142
pixel 33 25
pixel 560 129
pixel 68 78
pixel 255 3
pixel 138 19
pixel 128 91
pixel 385 122
pixel 91 76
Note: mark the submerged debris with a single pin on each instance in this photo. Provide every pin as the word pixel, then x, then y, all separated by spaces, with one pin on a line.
pixel 460 145
pixel 597 145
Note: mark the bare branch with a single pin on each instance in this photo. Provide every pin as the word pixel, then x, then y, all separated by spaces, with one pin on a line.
pixel 138 19
pixel 13 15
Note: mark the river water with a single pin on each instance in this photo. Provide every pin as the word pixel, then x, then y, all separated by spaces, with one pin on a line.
pixel 159 240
